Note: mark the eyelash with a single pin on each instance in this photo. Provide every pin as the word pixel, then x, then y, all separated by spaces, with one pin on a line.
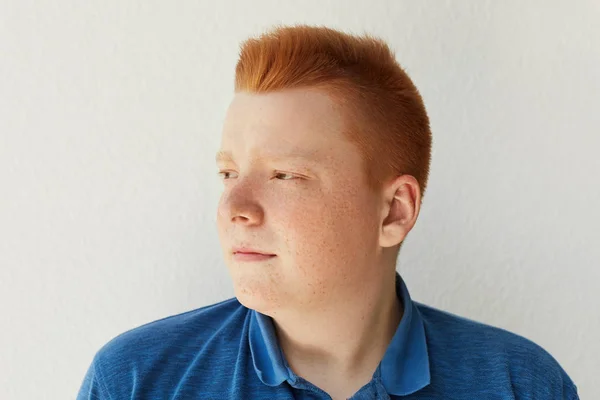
pixel 293 177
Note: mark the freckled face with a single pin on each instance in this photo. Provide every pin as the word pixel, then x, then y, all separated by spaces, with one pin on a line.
pixel 294 187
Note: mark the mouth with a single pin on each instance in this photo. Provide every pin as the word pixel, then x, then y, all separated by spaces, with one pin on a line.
pixel 244 253
pixel 251 256
pixel 249 250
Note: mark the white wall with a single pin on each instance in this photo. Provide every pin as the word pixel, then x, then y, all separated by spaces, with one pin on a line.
pixel 110 114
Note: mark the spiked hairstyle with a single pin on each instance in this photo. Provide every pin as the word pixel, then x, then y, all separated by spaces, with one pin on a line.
pixel 384 112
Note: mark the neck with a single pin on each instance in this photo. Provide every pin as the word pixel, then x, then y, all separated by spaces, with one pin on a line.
pixel 344 341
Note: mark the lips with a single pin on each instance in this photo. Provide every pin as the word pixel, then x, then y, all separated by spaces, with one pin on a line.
pixel 252 257
pixel 249 254
pixel 248 250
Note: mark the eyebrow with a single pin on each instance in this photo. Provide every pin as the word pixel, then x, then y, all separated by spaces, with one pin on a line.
pixel 223 156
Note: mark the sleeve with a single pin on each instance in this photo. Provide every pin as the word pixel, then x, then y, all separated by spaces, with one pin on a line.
pixel 92 387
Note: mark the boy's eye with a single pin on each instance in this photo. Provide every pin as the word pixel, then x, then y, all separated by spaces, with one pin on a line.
pixel 224 174
pixel 280 174
pixel 283 176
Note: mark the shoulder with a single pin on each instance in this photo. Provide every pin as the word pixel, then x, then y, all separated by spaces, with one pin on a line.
pixel 164 348
pixel 483 349
pixel 189 326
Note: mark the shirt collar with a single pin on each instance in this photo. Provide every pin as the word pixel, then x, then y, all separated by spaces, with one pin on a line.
pixel 404 368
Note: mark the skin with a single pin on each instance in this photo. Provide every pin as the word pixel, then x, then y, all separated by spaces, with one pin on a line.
pixel 294 186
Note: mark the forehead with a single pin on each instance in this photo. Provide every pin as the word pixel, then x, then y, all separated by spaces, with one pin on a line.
pixel 292 121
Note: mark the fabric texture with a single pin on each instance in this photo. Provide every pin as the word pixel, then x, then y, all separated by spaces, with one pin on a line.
pixel 227 351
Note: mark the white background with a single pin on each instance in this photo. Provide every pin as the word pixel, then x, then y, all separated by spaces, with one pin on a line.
pixel 110 115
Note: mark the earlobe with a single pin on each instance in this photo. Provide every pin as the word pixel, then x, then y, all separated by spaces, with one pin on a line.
pixel 402 206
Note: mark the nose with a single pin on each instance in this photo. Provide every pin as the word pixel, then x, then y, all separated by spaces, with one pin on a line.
pixel 240 207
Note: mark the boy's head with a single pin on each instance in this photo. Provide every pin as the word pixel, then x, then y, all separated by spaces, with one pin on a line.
pixel 325 157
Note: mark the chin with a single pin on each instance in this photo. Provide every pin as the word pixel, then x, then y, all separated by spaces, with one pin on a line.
pixel 256 296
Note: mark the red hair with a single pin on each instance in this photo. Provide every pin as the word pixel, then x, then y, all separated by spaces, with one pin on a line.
pixel 385 112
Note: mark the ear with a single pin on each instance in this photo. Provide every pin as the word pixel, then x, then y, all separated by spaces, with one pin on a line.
pixel 402 202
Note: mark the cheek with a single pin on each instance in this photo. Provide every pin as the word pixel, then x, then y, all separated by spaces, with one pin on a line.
pixel 301 222
pixel 326 229
pixel 293 219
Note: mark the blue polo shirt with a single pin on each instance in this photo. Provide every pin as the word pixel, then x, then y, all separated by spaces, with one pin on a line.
pixel 227 351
